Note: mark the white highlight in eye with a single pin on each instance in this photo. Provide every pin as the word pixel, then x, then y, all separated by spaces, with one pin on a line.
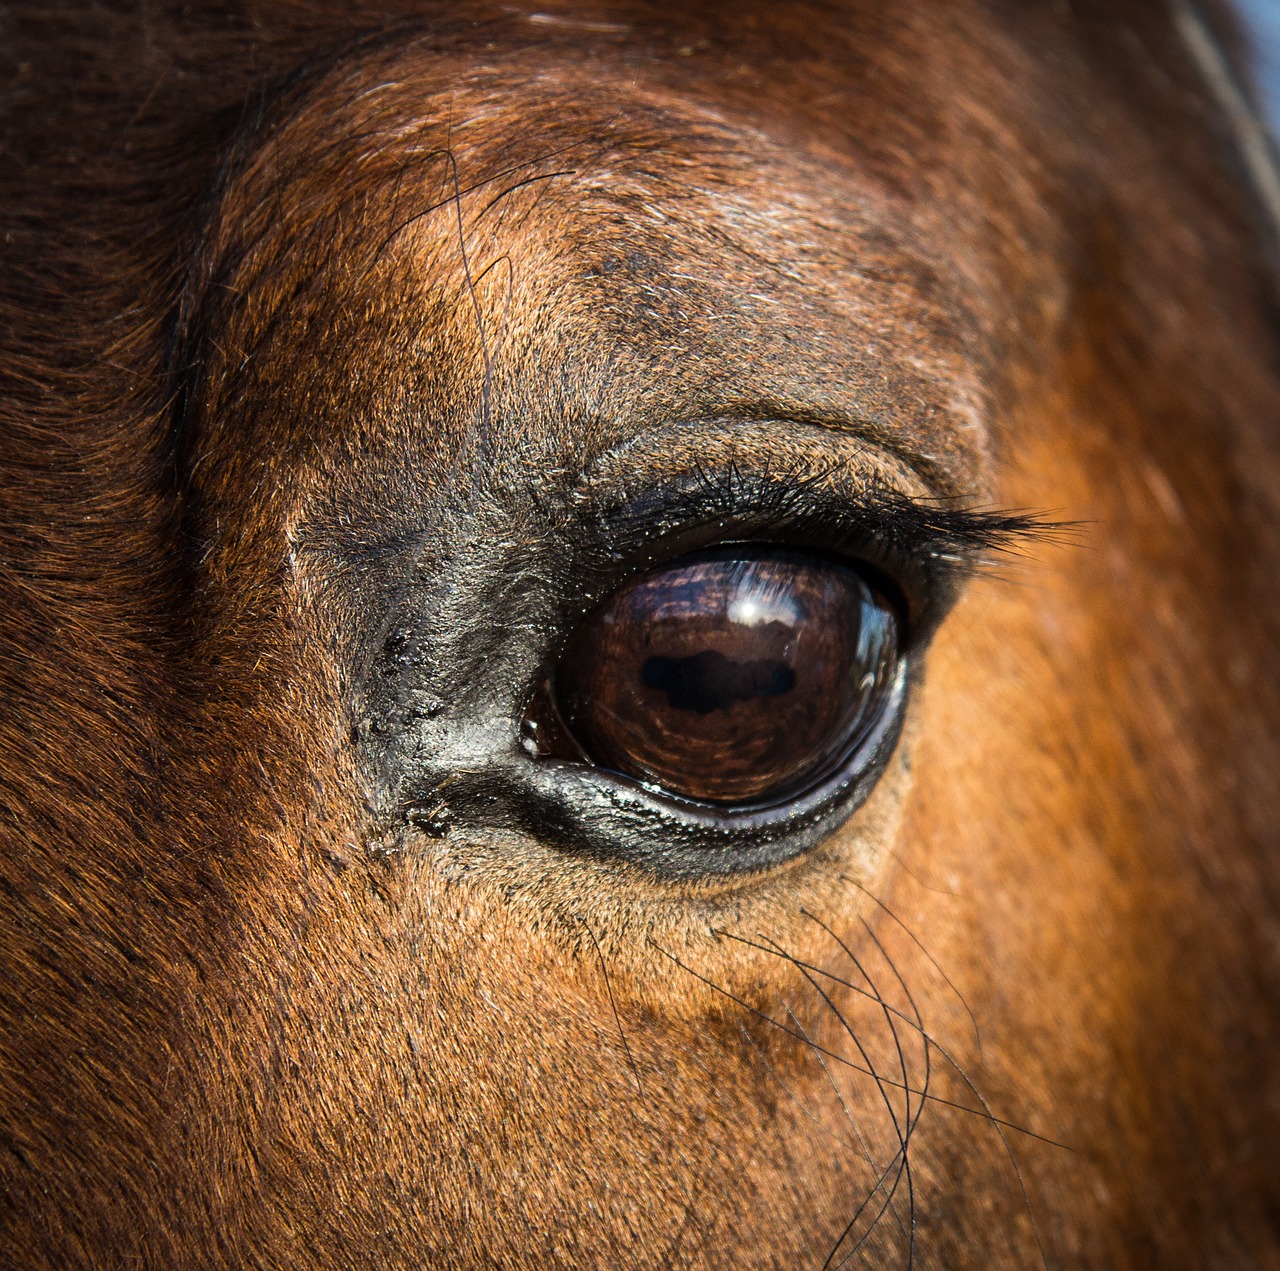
pixel 753 606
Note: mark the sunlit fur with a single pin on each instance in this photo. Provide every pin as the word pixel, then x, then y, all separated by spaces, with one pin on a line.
pixel 296 293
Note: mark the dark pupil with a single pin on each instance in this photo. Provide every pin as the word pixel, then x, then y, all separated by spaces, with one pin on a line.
pixel 709 681
pixel 731 677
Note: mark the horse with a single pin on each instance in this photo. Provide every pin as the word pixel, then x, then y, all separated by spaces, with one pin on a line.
pixel 638 635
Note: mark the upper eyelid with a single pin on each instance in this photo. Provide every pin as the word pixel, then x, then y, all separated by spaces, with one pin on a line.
pixel 687 485
pixel 864 497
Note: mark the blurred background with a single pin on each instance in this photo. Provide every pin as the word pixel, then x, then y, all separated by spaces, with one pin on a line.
pixel 1263 20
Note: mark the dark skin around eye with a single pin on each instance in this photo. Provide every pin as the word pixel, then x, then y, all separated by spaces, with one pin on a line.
pixel 732 677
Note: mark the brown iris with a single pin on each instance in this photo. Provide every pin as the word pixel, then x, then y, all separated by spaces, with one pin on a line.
pixel 734 676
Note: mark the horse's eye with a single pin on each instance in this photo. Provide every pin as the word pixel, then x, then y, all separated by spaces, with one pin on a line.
pixel 740 676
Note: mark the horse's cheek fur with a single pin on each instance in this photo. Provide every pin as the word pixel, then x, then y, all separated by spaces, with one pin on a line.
pixel 305 308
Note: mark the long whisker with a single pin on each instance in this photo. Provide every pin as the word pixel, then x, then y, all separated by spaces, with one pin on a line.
pixel 926 1044
pixel 839 1094
pixel 870 1070
pixel 849 1063
pixel 995 1121
pixel 933 962
pixel 912 1121
pixel 461 192
pixel 795 1099
pixel 866 1154
pixel 617 1019
pixel 895 1163
pixel 902 1129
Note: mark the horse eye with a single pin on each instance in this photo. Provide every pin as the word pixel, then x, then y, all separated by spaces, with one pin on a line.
pixel 739 676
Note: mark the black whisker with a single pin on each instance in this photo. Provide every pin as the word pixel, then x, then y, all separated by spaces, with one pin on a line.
pixel 995 1121
pixel 866 1149
pixel 895 1163
pixel 911 1121
pixel 925 1041
pixel 983 1113
pixel 617 1019
pixel 933 962
pixel 520 185
pixel 839 1094
pixel 901 1129
pixel 795 1099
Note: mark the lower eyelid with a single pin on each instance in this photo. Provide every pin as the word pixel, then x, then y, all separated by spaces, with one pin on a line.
pixel 676 838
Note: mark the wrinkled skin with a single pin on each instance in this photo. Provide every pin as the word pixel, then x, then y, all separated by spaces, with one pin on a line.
pixel 349 357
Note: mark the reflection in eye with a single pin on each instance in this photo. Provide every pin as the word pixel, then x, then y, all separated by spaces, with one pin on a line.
pixel 736 676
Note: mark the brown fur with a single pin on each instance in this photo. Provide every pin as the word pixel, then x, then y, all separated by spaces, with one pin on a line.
pixel 295 294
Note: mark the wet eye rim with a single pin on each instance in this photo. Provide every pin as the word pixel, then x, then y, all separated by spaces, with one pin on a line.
pixel 850 771
pixel 615 820
pixel 847 782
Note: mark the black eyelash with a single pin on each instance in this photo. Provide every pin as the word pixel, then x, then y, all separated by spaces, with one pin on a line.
pixel 925 528
pixel 920 548
pixel 970 537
